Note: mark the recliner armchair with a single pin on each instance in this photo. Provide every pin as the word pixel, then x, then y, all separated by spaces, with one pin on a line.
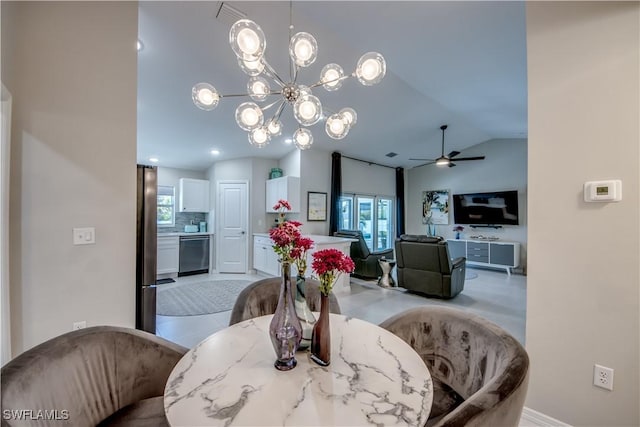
pixel 366 261
pixel 424 265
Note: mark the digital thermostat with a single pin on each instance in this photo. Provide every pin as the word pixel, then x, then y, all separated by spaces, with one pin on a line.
pixel 603 191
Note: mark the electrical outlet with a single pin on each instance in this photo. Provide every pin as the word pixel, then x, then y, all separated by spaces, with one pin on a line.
pixel 603 377
pixel 79 325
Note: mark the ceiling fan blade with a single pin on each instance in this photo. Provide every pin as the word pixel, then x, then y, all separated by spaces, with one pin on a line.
pixel 424 164
pixel 470 158
pixel 451 164
pixel 453 154
pixel 427 160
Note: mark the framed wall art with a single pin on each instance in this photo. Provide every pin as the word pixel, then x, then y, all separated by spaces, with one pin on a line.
pixel 316 206
pixel 435 207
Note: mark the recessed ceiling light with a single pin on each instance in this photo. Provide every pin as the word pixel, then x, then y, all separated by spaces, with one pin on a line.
pixel 139 45
pixel 153 159
pixel 215 152
pixel 288 141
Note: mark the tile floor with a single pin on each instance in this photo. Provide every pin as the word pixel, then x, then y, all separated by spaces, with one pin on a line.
pixel 491 294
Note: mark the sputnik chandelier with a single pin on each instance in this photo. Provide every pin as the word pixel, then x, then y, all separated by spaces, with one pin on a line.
pixel 248 42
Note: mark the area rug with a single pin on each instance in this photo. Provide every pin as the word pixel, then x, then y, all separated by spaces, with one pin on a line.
pixel 192 299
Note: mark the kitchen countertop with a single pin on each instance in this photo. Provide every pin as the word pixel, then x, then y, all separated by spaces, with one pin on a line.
pixel 182 233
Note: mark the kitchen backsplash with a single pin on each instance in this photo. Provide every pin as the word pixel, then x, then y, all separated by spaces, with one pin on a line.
pixel 182 219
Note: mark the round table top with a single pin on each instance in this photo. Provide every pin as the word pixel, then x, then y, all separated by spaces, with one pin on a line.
pixel 229 379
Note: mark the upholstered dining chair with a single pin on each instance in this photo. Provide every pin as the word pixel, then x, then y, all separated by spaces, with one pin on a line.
pixel 480 372
pixel 103 375
pixel 261 298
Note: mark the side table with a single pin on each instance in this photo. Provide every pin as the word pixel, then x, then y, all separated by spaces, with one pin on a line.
pixel 386 281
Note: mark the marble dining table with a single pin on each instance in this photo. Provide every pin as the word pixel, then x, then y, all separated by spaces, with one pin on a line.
pixel 228 379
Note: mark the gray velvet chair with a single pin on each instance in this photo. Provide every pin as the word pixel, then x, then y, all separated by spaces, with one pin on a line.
pixel 480 372
pixel 261 298
pixel 424 265
pixel 103 375
pixel 366 262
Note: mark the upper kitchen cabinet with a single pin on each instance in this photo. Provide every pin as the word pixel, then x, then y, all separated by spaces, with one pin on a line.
pixel 194 195
pixel 285 188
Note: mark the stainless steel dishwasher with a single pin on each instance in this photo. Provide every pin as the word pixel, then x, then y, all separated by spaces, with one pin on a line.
pixel 194 255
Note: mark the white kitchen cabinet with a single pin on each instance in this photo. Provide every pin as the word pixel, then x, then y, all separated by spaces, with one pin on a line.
pixel 168 254
pixel 265 258
pixel 194 195
pixel 285 188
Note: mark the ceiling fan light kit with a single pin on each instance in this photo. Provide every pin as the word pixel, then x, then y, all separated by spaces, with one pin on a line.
pixel 449 158
pixel 249 44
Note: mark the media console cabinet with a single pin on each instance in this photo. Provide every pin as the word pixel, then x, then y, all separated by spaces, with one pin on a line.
pixel 486 253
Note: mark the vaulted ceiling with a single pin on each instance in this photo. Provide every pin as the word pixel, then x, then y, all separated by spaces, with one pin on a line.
pixel 459 63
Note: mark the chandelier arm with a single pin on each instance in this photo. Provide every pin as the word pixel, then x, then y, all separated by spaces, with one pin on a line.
pixel 270 105
pixel 320 82
pixel 279 111
pixel 272 71
pixel 295 72
pixel 274 78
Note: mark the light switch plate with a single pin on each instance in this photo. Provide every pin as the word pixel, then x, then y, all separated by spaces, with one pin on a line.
pixel 84 236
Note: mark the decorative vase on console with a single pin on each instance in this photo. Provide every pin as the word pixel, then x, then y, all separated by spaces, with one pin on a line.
pixel 285 329
pixel 306 317
pixel 458 229
pixel 328 264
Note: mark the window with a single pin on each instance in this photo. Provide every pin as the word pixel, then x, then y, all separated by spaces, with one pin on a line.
pixel 166 206
pixel 373 215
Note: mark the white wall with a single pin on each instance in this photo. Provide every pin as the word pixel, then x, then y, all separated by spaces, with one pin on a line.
pixel 260 220
pixel 73 164
pixel 290 164
pixel 315 168
pixel 171 177
pixel 504 168
pixel 583 284
pixel 362 178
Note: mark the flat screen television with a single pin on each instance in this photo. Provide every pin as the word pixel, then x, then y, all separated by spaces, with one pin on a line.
pixel 491 208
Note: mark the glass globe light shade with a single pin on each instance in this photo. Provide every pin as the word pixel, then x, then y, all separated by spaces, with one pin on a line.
pixel 274 127
pixel 336 126
pixel 330 77
pixel 249 116
pixel 303 49
pixel 252 68
pixel 259 137
pixel 307 110
pixel 371 68
pixel 304 91
pixel 205 96
pixel 258 88
pixel 349 115
pixel 247 40
pixel 303 138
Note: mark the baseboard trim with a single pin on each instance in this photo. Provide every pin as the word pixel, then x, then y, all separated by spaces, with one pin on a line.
pixel 539 419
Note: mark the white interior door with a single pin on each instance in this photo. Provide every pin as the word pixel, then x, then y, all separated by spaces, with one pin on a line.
pixel 232 233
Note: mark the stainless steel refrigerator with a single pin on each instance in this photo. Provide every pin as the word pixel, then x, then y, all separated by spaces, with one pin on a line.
pixel 146 248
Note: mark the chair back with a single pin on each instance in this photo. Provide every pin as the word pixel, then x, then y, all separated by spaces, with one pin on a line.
pixel 359 249
pixel 469 358
pixel 91 373
pixel 423 253
pixel 261 298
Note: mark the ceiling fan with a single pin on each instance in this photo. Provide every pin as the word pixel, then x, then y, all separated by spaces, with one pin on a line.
pixel 449 158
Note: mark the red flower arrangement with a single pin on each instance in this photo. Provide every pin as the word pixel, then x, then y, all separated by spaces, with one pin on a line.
pixel 328 264
pixel 286 236
pixel 299 253
pixel 281 206
pixel 458 228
